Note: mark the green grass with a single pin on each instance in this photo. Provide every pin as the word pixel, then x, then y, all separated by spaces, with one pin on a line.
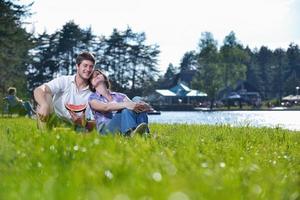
pixel 176 162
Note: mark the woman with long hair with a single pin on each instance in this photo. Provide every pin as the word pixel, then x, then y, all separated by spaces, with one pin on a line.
pixel 114 111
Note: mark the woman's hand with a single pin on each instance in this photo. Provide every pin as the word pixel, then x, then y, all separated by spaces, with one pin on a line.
pixel 142 107
pixel 130 105
pixel 146 107
pixel 138 107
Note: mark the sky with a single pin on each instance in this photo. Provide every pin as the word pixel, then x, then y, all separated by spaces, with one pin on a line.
pixel 176 25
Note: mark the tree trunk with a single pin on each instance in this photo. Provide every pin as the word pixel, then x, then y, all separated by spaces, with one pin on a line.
pixel 212 103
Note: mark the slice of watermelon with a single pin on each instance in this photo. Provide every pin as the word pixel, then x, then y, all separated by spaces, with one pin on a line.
pixel 75 108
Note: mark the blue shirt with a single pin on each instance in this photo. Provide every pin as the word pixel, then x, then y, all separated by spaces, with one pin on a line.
pixel 12 100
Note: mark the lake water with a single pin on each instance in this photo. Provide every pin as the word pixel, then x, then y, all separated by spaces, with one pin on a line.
pixel 285 119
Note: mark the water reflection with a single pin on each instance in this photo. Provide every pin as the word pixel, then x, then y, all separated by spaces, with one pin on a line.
pixel 285 119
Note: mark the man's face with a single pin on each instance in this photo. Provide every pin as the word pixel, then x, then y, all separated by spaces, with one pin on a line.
pixel 85 69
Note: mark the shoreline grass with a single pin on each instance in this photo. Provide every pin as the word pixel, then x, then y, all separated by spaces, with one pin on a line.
pixel 176 162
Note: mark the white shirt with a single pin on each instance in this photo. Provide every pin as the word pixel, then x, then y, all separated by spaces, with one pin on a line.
pixel 64 90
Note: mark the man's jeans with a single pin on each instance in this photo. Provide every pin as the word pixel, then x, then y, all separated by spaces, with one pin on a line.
pixel 124 121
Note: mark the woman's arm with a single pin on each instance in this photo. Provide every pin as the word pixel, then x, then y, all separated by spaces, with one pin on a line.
pixel 113 106
pixel 141 106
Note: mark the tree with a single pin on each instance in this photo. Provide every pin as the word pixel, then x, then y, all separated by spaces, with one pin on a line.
pixel 44 66
pixel 72 40
pixel 188 62
pixel 171 72
pixel 55 54
pixel 278 74
pixel 15 43
pixel 169 79
pixel 131 63
pixel 265 63
pixel 112 52
pixel 293 69
pixel 208 75
pixel 252 69
pixel 233 58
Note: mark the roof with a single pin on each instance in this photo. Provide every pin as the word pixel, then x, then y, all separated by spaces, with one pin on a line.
pixel 196 93
pixel 181 90
pixel 291 98
pixel 181 86
pixel 234 96
pixel 166 92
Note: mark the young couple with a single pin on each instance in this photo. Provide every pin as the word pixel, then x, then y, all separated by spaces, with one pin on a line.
pixel 113 112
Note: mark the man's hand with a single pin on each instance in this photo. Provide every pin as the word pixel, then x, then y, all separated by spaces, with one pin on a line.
pixel 79 120
pixel 43 97
pixel 43 112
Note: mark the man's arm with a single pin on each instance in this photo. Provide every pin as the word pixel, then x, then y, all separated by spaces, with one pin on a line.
pixel 43 97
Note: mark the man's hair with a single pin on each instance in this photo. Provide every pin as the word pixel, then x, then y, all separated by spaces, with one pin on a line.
pixel 85 56
pixel 11 90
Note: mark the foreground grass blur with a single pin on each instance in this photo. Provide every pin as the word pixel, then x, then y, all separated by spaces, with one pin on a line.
pixel 176 162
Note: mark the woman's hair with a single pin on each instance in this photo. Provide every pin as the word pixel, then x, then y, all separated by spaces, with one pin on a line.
pixel 12 90
pixel 107 82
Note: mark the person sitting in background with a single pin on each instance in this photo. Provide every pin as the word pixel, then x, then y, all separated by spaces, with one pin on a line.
pixel 18 105
pixel 115 112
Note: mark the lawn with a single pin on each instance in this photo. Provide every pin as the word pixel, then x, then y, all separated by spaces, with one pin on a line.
pixel 177 162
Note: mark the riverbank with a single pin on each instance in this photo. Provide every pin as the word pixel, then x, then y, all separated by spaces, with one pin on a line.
pixel 175 162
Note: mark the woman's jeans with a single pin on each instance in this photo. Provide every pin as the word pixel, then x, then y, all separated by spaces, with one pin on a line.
pixel 124 121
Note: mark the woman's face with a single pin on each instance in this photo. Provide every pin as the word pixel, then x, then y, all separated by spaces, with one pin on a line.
pixel 97 78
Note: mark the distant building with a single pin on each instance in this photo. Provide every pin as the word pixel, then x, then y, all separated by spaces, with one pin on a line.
pixel 248 93
pixel 179 94
pixel 244 92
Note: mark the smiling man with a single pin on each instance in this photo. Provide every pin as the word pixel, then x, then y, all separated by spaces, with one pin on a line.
pixel 52 96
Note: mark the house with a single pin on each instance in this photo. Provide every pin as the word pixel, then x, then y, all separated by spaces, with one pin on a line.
pixel 248 93
pixel 179 94
pixel 243 92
